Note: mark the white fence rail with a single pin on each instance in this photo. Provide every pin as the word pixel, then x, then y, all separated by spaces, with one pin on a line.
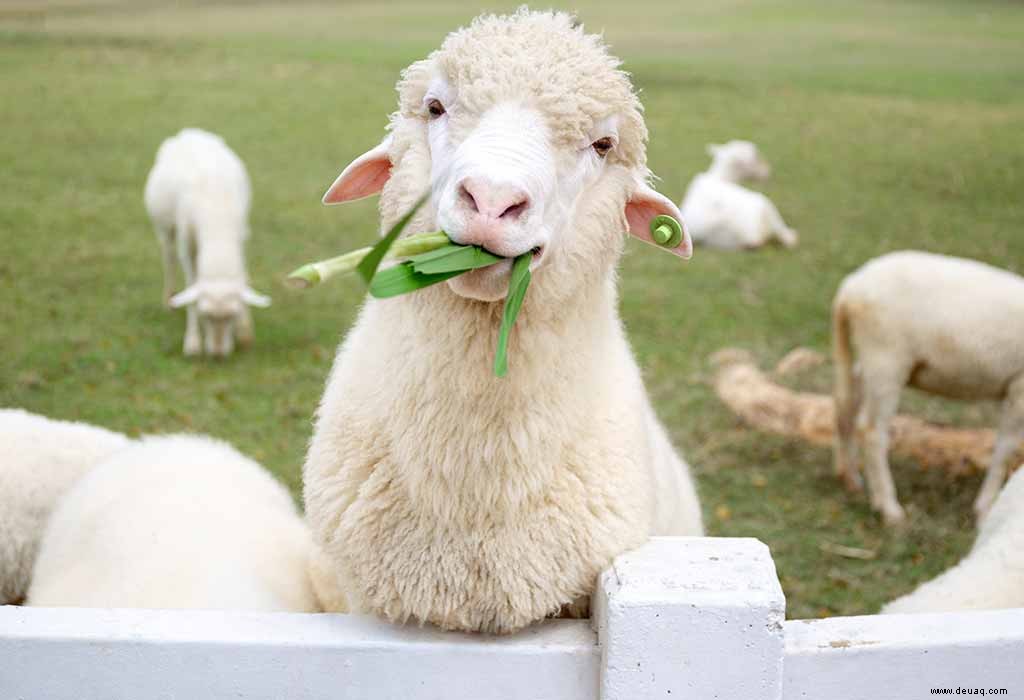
pixel 678 618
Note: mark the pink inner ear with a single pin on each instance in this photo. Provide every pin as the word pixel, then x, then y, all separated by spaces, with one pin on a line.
pixel 360 179
pixel 644 205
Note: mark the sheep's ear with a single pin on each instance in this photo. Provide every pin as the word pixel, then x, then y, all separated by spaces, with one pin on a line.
pixel 253 298
pixel 189 295
pixel 644 205
pixel 363 177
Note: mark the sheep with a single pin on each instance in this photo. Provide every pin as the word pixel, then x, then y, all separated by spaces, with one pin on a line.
pixel 721 213
pixel 991 576
pixel 197 196
pixel 948 326
pixel 438 492
pixel 176 521
pixel 40 459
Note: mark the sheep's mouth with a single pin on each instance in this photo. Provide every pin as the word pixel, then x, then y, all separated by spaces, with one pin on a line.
pixel 490 284
pixel 537 251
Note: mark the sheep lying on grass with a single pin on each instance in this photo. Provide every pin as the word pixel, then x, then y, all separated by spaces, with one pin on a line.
pixel 991 576
pixel 198 195
pixel 721 213
pixel 40 459
pixel 438 491
pixel 948 326
pixel 176 522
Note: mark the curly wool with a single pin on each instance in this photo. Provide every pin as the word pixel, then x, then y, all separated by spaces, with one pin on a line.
pixel 445 495
pixel 40 459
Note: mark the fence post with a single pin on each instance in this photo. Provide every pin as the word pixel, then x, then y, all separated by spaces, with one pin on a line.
pixel 691 617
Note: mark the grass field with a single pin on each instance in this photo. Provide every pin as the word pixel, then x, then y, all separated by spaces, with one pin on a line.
pixel 889 125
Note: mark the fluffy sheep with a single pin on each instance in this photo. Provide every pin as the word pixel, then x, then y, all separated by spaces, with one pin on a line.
pixel 991 576
pixel 439 492
pixel 948 326
pixel 40 459
pixel 198 196
pixel 178 521
pixel 721 213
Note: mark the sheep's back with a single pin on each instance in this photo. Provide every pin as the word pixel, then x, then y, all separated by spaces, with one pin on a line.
pixel 40 459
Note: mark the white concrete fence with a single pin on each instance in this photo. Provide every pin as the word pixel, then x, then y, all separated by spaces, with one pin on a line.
pixel 678 618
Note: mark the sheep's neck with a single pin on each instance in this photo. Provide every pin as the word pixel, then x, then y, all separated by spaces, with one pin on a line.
pixel 493 454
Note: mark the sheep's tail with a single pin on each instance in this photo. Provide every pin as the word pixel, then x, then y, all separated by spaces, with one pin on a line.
pixel 845 396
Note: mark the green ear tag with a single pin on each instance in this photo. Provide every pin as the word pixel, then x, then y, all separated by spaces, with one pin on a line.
pixel 666 231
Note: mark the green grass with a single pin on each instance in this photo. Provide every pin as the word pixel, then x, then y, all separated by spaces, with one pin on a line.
pixel 890 125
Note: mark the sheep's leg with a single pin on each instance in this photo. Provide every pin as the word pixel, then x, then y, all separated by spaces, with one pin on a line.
pixel 193 344
pixel 1011 430
pixel 881 399
pixel 778 228
pixel 166 238
pixel 244 328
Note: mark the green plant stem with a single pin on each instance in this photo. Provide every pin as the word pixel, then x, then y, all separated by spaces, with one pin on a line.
pixel 312 274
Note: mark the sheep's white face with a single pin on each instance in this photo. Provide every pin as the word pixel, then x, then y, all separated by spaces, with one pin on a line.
pixel 220 304
pixel 500 183
pixel 739 160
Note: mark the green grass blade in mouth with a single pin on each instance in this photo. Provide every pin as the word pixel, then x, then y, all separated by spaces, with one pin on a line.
pixel 401 279
pixel 453 257
pixel 517 285
pixel 368 265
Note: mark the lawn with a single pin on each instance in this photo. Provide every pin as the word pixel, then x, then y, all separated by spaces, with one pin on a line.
pixel 889 125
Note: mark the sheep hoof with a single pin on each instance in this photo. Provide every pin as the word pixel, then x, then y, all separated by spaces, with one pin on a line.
pixel 894 516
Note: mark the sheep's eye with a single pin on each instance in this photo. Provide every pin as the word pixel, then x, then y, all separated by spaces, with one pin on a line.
pixel 602 146
pixel 435 108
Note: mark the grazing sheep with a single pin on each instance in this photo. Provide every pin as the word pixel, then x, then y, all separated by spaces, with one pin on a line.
pixel 177 521
pixel 947 326
pixel 198 195
pixel 991 576
pixel 721 213
pixel 440 492
pixel 40 459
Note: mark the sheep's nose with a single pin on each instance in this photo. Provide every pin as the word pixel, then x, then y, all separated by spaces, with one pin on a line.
pixel 493 201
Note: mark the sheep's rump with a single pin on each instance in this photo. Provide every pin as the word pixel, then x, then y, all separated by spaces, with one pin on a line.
pixel 176 522
pixel 40 459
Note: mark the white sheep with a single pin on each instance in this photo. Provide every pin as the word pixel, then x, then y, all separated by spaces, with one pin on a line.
pixel 991 576
pixel 721 213
pixel 177 521
pixel 198 196
pixel 40 459
pixel 439 492
pixel 948 326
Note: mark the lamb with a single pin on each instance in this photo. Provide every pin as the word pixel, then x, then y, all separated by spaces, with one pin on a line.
pixel 991 576
pixel 40 459
pixel 721 213
pixel 198 196
pixel 438 492
pixel 177 521
pixel 948 326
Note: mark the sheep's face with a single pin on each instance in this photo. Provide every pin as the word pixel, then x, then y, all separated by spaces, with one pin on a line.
pixel 220 304
pixel 501 180
pixel 739 161
pixel 529 139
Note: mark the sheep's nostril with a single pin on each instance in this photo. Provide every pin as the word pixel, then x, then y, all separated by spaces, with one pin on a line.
pixel 514 211
pixel 468 198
